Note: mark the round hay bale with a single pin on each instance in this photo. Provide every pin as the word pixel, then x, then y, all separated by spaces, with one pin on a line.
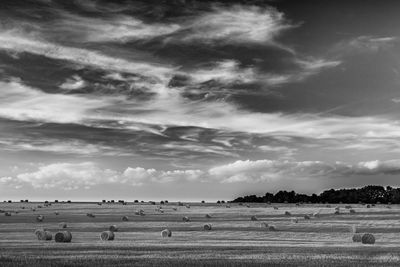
pixel 248 206
pixel 208 216
pixel 368 239
pixel 337 208
pixel 188 206
pixel 166 233
pixel 272 228
pixel 254 218
pixel 357 238
pixel 7 213
pixel 56 213
pixel 40 218
pixel 275 208
pixel 125 218
pixel 113 228
pixel 307 217
pixel 352 211
pixel 264 225
pixel 38 230
pixel 44 235
pixel 316 214
pixel 91 215
pixel 347 207
pixel 337 212
pixel 63 237
pixel 287 213
pixel 107 236
pixel 185 219
pixel 62 225
pixel 368 206
pixel 207 227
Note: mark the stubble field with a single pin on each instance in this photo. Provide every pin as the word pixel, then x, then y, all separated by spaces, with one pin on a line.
pixel 235 239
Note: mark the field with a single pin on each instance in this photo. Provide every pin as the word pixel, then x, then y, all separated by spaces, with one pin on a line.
pixel 235 240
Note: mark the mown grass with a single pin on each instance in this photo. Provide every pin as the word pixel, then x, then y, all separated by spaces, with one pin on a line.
pixel 234 241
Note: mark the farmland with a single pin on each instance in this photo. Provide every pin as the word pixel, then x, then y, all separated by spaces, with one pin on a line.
pixel 234 240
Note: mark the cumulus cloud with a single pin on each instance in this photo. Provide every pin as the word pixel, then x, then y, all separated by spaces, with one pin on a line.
pixel 271 170
pixel 69 176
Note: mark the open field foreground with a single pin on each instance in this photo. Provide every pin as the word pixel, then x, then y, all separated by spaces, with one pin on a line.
pixel 234 240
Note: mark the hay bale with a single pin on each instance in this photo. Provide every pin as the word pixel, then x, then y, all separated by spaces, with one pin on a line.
pixel 368 206
pixel 113 228
pixel 62 225
pixel 347 207
pixel 275 208
pixel 125 218
pixel 208 216
pixel 248 206
pixel 337 212
pixel 287 213
pixel 7 213
pixel 307 217
pixel 316 214
pixel 352 211
pixel 166 233
pixel 185 219
pixel 63 237
pixel 272 228
pixel 56 213
pixel 357 238
pixel 43 235
pixel 107 236
pixel 188 206
pixel 368 239
pixel 337 208
pixel 38 230
pixel 91 215
pixel 207 227
pixel 254 218
pixel 40 218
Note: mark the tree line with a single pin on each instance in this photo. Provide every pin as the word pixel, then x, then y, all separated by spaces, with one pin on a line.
pixel 367 194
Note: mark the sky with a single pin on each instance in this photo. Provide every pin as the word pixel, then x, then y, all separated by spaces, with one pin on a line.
pixel 197 100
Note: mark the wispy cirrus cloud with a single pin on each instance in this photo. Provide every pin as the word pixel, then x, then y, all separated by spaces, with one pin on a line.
pixel 19 42
pixel 232 24
pixel 236 24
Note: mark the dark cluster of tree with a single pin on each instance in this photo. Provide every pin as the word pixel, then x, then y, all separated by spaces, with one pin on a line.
pixel 368 194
